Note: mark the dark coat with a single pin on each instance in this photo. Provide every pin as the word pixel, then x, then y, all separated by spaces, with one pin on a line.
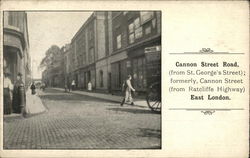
pixel 16 103
pixel 33 89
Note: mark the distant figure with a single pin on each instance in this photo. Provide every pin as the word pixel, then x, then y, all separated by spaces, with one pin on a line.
pixel 89 86
pixel 16 94
pixel 42 86
pixel 127 88
pixel 65 87
pixel 33 88
pixel 7 93
pixel 68 85
pixel 73 85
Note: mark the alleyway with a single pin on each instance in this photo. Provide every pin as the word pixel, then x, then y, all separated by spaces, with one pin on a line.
pixel 82 122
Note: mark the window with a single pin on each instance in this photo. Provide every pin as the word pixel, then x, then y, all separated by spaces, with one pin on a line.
pixel 138 33
pixel 101 78
pixel 139 73
pixel 137 23
pixel 124 13
pixel 146 16
pixel 154 23
pixel 131 28
pixel 91 55
pixel 84 57
pixel 148 30
pixel 132 38
pixel 13 19
pixel 118 41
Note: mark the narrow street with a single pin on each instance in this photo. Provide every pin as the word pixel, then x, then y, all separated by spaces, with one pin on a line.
pixel 82 122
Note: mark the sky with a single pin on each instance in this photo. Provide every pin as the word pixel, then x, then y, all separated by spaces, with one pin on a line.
pixel 51 28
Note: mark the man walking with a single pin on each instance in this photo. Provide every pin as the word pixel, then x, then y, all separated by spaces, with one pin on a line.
pixel 128 87
pixel 7 93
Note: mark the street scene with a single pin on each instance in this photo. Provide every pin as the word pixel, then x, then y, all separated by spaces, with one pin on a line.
pixel 82 80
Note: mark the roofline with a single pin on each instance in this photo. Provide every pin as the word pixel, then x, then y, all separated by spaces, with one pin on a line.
pixel 92 16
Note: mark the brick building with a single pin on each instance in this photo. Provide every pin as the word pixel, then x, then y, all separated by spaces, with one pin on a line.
pixel 108 47
pixel 16 57
pixel 132 32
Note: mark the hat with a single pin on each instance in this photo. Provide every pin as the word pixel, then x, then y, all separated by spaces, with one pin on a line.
pixel 19 74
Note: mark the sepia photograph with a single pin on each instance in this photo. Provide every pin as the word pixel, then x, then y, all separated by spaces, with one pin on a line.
pixel 81 79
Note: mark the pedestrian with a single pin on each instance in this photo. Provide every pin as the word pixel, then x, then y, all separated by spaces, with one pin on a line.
pixel 44 86
pixel 65 87
pixel 68 85
pixel 127 89
pixel 16 103
pixel 33 88
pixel 7 92
pixel 89 86
pixel 73 84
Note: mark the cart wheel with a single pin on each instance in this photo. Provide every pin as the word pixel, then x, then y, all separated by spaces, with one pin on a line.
pixel 154 101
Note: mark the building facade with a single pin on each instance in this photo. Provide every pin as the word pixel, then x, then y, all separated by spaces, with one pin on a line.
pixel 88 48
pixel 16 57
pixel 53 75
pixel 67 55
pixel 108 47
pixel 132 32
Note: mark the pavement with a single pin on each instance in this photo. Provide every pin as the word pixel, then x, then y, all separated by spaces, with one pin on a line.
pixel 76 122
pixel 109 97
pixel 34 106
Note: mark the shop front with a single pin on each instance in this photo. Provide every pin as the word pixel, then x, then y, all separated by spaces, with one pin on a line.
pixel 86 75
pixel 138 69
pixel 119 70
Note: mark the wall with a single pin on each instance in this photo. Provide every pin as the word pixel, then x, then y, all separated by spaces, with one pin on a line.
pixel 100 31
pixel 102 66
pixel 16 41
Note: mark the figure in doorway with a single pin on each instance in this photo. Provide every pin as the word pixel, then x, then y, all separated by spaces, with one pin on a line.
pixel 89 86
pixel 73 85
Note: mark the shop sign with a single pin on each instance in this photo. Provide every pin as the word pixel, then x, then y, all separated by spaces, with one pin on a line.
pixel 152 49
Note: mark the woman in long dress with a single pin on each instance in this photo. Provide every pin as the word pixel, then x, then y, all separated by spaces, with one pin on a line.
pixel 33 88
pixel 7 91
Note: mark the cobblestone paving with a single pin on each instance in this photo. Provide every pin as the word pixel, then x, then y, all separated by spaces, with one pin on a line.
pixel 81 122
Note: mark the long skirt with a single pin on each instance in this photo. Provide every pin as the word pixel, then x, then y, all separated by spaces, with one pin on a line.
pixel 7 101
pixel 16 102
pixel 33 91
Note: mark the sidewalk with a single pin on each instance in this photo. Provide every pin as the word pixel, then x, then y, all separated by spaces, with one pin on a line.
pixel 109 97
pixel 34 104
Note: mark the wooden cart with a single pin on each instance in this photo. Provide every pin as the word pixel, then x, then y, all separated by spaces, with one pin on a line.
pixel 153 67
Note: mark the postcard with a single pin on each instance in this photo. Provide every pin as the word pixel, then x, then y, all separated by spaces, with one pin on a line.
pixel 124 78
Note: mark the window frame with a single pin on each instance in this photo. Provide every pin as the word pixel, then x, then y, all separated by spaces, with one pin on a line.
pixel 118 41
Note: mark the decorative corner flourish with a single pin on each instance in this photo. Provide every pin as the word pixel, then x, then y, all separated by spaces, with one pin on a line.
pixel 208 112
pixel 206 50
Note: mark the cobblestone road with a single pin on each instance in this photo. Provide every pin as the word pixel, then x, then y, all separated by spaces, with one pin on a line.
pixel 81 122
